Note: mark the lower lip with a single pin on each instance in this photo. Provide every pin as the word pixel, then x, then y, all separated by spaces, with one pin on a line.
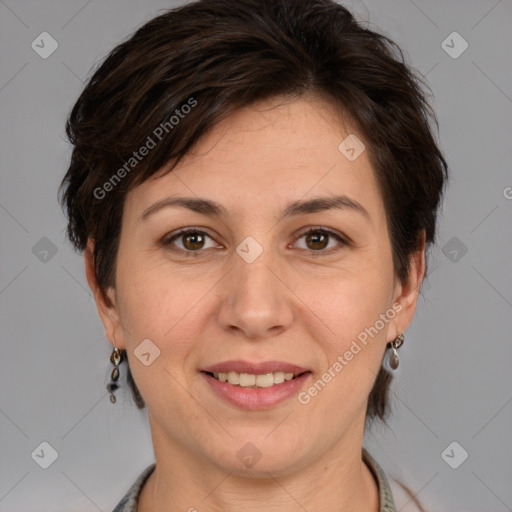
pixel 255 399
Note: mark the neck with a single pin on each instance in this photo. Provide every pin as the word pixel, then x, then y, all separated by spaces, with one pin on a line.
pixel 182 481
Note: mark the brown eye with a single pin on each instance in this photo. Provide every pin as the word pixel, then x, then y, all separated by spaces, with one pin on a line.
pixel 318 240
pixel 191 240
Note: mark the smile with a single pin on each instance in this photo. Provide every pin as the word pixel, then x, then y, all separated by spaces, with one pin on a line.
pixel 248 380
pixel 255 392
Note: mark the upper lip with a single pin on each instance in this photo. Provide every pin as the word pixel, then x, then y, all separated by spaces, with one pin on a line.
pixel 240 366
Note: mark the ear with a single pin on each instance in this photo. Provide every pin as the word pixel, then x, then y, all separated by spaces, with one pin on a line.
pixel 106 303
pixel 406 293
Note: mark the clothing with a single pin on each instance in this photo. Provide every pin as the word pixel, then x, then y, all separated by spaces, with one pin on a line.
pixel 129 501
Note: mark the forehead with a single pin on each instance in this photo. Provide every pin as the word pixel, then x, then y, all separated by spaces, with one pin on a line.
pixel 270 153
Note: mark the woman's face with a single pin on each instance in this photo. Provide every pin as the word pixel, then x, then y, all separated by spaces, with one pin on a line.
pixel 248 290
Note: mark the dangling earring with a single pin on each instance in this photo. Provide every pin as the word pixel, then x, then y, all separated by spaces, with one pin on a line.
pixel 116 359
pixel 393 357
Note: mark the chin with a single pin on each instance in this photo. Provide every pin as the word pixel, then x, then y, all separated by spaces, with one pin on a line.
pixel 257 459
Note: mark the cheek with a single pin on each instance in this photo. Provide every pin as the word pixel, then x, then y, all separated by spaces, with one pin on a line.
pixel 351 356
pixel 165 308
pixel 159 300
pixel 353 314
pixel 351 303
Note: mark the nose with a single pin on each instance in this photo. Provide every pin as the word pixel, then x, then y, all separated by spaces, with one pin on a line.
pixel 256 300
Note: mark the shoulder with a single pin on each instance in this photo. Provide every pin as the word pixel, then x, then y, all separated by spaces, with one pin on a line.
pixel 128 502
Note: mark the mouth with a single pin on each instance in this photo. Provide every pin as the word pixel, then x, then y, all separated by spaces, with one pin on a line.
pixel 255 386
pixel 249 380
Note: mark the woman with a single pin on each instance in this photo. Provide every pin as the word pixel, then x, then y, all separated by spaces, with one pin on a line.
pixel 254 185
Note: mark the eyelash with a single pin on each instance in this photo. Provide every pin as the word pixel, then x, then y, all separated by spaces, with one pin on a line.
pixel 167 241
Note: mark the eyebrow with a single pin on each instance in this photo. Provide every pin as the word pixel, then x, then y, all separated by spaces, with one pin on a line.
pixel 214 209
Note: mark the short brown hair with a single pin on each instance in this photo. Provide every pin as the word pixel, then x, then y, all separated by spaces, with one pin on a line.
pixel 227 54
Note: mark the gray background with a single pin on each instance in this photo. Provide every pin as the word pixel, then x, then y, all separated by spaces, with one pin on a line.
pixel 454 381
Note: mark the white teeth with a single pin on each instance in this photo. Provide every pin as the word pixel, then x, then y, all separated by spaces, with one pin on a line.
pixel 247 380
pixel 278 377
pixel 265 381
pixel 233 378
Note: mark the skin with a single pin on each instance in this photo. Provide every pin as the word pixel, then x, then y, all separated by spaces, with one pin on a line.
pixel 294 303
